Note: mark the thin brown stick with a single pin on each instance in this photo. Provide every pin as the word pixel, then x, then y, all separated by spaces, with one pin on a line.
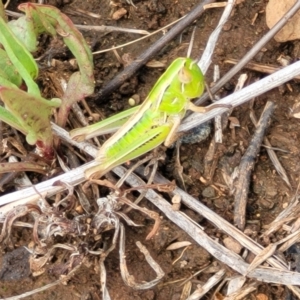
pixel 247 165
pixel 268 69
pixel 23 166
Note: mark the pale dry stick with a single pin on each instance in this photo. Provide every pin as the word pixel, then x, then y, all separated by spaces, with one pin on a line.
pixel 277 149
pixel 35 291
pixel 235 283
pixel 212 281
pixel 286 242
pixel 294 227
pixel 6 4
pixel 103 277
pixel 76 176
pixel 103 28
pixel 215 5
pixel 205 60
pixel 129 279
pixel 274 159
pixel 47 188
pixel 243 292
pixel 288 214
pixel 88 109
pixel 289 241
pixel 255 49
pixel 220 287
pixel 281 223
pixel 262 257
pixel 79 114
pixel 218 134
pixel 186 291
pixel 18 223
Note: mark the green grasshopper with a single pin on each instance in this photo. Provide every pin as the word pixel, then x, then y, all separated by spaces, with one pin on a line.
pixel 145 127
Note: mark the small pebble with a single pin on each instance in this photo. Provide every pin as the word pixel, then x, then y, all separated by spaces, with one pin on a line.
pixel 209 192
pixel 232 245
pixel 117 15
pixel 134 100
pixel 227 26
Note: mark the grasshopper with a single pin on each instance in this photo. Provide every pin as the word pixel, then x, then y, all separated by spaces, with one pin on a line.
pixel 154 122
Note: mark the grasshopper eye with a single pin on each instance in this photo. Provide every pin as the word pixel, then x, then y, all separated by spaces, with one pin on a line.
pixel 185 76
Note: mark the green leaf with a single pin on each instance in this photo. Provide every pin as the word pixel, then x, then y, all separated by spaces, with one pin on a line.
pixel 2 11
pixel 24 29
pixel 10 119
pixel 20 57
pixel 8 71
pixel 32 112
pixel 49 19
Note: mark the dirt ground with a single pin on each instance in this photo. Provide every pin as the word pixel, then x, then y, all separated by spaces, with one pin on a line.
pixel 268 193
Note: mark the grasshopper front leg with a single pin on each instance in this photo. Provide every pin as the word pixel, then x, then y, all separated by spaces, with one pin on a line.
pixel 176 120
pixel 172 136
pixel 201 109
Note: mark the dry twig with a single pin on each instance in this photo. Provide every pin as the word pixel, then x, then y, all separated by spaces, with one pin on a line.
pixel 247 165
pixel 279 168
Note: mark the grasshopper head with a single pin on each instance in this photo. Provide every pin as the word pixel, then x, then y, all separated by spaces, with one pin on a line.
pixel 192 79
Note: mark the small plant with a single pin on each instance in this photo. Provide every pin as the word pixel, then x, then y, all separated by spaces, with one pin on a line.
pixel 28 111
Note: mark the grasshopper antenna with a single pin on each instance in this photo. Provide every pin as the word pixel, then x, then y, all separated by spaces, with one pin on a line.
pixel 191 43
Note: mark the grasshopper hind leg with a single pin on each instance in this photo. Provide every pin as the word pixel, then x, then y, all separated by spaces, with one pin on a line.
pixel 143 144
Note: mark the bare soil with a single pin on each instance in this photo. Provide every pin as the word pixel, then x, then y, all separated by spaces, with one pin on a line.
pixel 268 193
